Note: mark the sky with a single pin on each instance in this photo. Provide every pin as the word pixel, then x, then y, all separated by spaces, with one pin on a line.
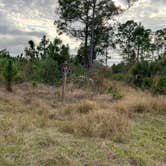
pixel 24 20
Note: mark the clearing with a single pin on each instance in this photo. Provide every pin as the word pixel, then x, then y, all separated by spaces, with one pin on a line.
pixel 36 129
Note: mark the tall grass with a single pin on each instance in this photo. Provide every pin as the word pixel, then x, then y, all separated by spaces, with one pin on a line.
pixel 103 124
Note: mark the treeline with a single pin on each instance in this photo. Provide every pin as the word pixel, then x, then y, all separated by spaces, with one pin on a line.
pixel 38 63
pixel 137 43
pixel 92 22
pixel 142 50
pixel 144 57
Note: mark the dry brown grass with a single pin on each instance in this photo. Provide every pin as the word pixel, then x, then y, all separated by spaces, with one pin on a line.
pixel 32 121
pixel 78 94
pixel 84 106
pixel 139 102
pixel 95 116
pixel 110 119
pixel 103 123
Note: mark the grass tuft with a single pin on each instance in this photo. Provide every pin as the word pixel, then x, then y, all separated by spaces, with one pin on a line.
pixel 103 124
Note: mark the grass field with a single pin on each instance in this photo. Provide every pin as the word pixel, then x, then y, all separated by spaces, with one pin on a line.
pixel 36 129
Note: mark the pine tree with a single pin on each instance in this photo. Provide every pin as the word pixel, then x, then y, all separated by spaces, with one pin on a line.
pixel 43 47
pixel 9 74
pixel 83 19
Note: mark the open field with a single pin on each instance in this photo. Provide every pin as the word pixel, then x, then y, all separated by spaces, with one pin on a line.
pixel 36 129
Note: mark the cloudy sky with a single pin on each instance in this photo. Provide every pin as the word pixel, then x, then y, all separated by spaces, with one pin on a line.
pixel 23 20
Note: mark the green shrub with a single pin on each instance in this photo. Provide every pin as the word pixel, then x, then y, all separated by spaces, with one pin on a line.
pixel 147 83
pixel 119 68
pixel 159 85
pixel 123 77
pixel 9 74
pixel 142 69
pixel 114 91
pixel 49 71
pixel 77 70
pixel 19 78
pixel 34 84
pixel 118 77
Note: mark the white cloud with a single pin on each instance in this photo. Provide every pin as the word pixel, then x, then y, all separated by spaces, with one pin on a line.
pixel 152 13
pixel 31 20
pixel 22 20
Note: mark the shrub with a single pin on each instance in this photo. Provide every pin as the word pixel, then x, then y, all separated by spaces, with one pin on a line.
pixel 142 68
pixel 118 77
pixel 128 78
pixel 19 78
pixel 34 84
pixel 114 91
pixel 77 70
pixel 49 71
pixel 140 71
pixel 119 68
pixel 160 85
pixel 9 74
pixel 147 83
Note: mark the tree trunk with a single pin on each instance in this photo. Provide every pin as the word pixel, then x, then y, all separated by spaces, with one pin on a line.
pixel 86 37
pixel 92 35
pixel 86 44
pixel 158 51
pixel 106 58
pixel 138 52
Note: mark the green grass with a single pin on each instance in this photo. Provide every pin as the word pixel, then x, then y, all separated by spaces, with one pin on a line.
pixel 148 143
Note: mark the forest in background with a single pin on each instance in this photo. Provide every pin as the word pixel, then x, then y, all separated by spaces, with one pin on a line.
pixel 142 51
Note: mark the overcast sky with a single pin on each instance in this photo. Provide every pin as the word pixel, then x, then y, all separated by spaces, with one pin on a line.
pixel 24 20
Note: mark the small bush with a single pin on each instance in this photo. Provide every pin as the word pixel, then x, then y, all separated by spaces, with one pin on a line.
pixel 49 71
pixel 119 68
pixel 142 69
pixel 9 74
pixel 77 70
pixel 147 83
pixel 123 77
pixel 160 85
pixel 118 77
pixel 19 78
pixel 34 84
pixel 114 91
